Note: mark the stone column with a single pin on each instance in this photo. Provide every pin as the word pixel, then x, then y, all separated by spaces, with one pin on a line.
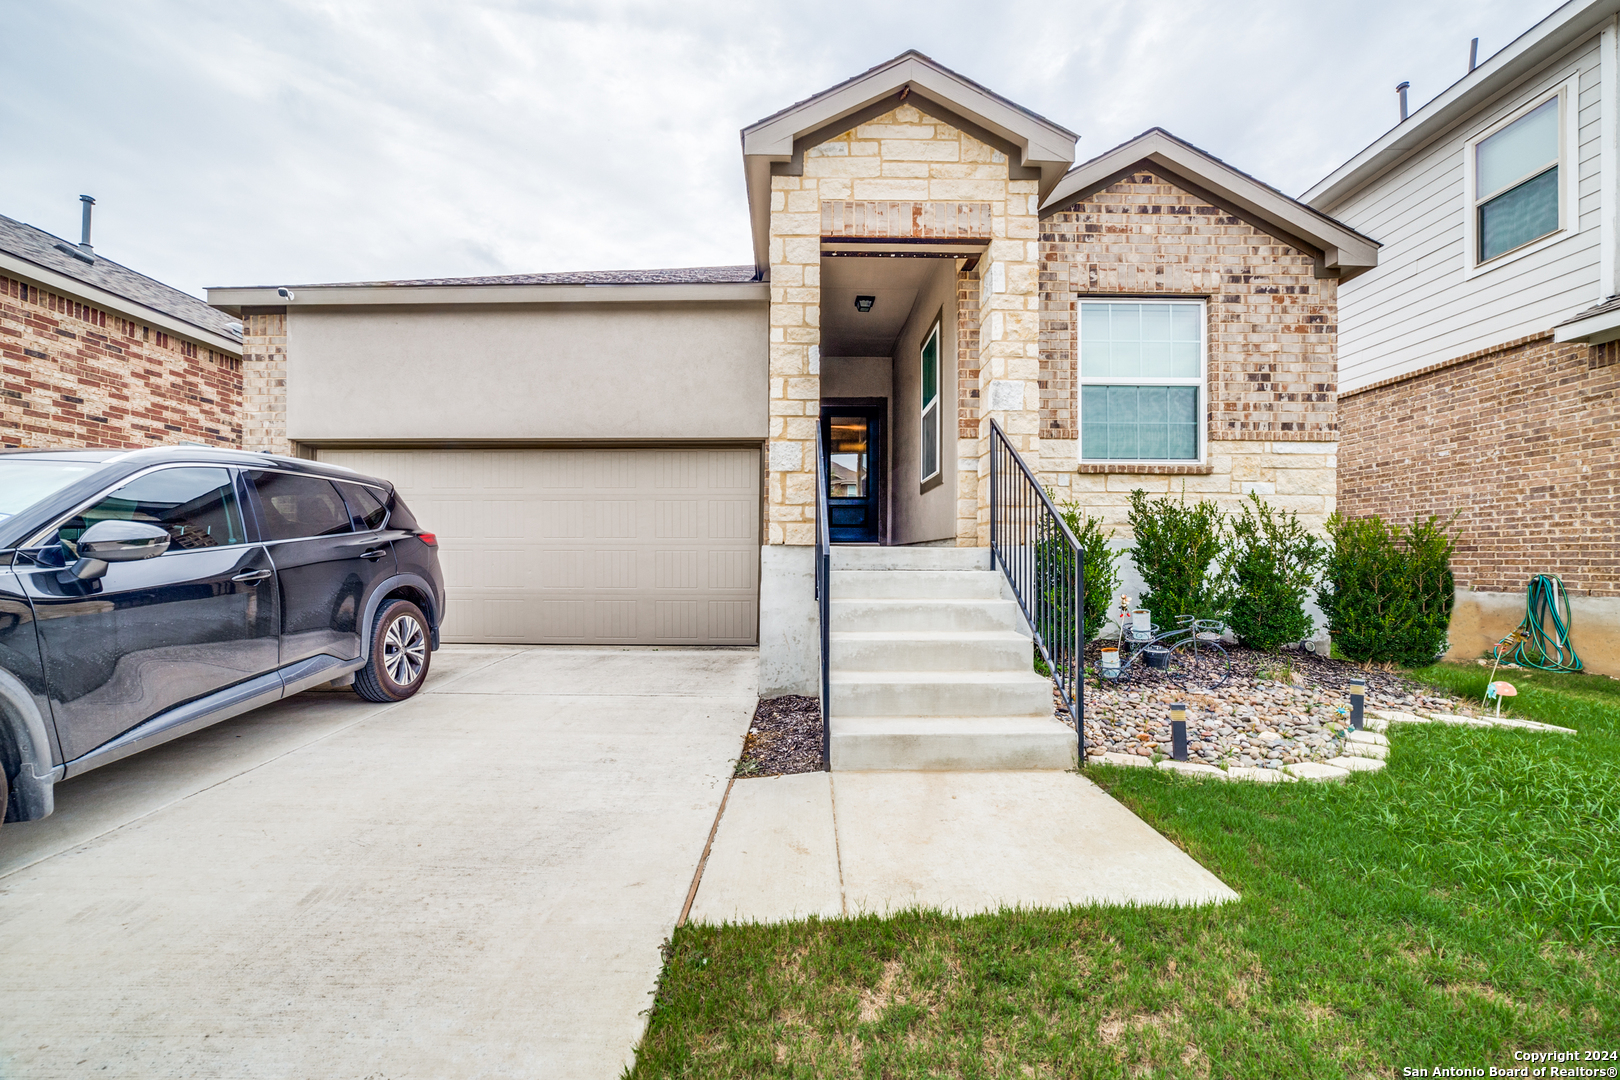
pixel 788 635
pixel 795 369
pixel 264 381
pixel 1009 338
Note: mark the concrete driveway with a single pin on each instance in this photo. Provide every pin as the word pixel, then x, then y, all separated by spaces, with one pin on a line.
pixel 471 883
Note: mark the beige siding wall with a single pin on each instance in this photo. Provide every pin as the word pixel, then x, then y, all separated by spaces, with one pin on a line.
pixel 1423 304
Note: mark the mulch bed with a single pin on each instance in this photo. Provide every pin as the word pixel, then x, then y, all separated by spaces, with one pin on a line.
pixel 784 738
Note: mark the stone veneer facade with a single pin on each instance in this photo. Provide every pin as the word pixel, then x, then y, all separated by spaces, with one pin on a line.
pixel 1272 375
pixel 73 374
pixel 264 381
pixel 905 156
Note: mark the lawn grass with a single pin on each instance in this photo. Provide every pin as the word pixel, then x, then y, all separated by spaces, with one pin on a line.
pixel 1459 905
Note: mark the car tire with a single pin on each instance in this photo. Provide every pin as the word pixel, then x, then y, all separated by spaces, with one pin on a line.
pixel 400 653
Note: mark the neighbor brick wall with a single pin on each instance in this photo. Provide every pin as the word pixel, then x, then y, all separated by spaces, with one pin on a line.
pixel 1272 334
pixel 73 374
pixel 1522 441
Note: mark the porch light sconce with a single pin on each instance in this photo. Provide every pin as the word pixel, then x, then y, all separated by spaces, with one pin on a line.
pixel 863 304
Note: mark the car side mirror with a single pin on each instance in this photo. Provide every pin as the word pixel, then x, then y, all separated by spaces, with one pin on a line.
pixel 117 541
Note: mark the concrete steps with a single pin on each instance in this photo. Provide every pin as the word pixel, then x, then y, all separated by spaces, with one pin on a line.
pixel 930 667
pixel 928 650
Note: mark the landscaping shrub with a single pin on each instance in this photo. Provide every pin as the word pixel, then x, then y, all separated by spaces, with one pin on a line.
pixel 1101 563
pixel 1387 591
pixel 1274 562
pixel 1180 551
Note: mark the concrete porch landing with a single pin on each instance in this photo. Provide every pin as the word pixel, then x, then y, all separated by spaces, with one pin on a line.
pixel 833 844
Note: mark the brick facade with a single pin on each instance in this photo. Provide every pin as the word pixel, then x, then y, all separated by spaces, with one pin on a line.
pixel 73 374
pixel 1521 441
pixel 1272 333
pixel 1272 336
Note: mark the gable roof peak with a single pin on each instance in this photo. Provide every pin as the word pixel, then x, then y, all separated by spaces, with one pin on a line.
pixel 1343 250
pixel 1032 142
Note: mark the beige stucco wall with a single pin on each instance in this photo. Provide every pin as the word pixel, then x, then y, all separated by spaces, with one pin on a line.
pixel 922 516
pixel 1481 619
pixel 855 377
pixel 555 371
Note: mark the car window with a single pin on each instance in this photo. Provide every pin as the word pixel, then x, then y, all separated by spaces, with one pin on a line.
pixel 25 481
pixel 196 505
pixel 399 515
pixel 292 506
pixel 365 509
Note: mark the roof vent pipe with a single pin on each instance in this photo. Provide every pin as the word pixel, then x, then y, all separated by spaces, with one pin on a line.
pixel 84 228
pixel 1473 54
pixel 1401 90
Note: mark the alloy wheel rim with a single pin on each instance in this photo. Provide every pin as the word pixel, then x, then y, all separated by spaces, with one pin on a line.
pixel 404 650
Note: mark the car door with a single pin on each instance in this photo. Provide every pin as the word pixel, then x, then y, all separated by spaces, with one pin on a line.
pixel 155 633
pixel 325 568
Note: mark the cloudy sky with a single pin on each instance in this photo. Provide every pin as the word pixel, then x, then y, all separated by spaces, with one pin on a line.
pixel 302 141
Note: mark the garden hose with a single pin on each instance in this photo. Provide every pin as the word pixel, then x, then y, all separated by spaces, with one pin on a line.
pixel 1543 637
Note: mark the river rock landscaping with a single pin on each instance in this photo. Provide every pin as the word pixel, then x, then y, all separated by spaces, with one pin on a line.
pixel 1275 710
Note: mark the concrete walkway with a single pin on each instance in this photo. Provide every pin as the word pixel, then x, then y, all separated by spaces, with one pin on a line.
pixel 846 843
pixel 472 883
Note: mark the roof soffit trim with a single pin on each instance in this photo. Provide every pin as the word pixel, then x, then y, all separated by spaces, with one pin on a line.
pixel 1594 326
pixel 235 299
pixel 1564 29
pixel 1340 247
pixel 134 310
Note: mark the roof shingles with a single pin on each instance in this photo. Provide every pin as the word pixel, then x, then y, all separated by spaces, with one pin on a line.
pixel 38 247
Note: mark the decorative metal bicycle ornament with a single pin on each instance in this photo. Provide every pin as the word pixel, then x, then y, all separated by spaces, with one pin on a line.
pixel 1191 655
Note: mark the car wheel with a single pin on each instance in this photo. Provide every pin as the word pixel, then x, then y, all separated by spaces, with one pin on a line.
pixel 400 653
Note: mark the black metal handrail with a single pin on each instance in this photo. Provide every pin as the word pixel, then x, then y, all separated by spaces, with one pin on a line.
pixel 1033 547
pixel 823 590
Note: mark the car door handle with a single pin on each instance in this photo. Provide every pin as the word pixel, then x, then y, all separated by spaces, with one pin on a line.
pixel 374 554
pixel 252 575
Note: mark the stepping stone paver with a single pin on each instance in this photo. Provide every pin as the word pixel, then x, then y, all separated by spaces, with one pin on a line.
pixel 1314 770
pixel 1192 768
pixel 1356 764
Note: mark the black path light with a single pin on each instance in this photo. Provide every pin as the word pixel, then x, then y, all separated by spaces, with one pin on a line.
pixel 1178 731
pixel 1358 702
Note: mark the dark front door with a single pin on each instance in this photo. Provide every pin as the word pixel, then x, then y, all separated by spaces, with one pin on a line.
pixel 851 438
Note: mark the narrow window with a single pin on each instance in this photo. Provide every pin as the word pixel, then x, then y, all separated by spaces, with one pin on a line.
pixel 1141 380
pixel 1516 182
pixel 930 405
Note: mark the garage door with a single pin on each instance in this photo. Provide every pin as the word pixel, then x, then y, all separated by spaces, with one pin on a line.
pixel 587 546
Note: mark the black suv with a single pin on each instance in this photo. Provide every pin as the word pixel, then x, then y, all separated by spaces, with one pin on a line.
pixel 145 594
